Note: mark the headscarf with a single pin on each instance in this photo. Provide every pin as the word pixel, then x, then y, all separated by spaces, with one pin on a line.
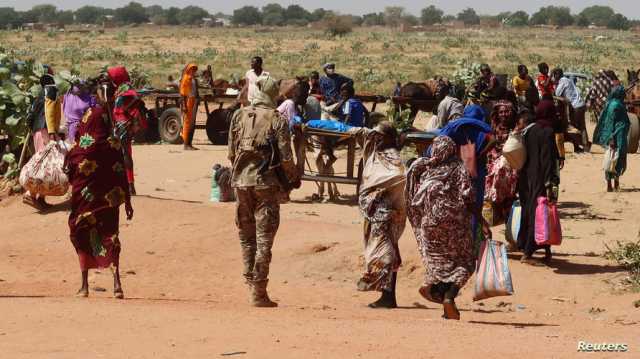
pixel 546 115
pixel 186 81
pixel 470 127
pixel 119 75
pixel 614 112
pixel 267 93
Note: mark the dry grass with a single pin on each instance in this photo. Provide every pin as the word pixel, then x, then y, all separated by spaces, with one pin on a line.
pixel 374 57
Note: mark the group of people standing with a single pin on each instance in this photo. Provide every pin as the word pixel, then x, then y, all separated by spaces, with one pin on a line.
pixel 441 193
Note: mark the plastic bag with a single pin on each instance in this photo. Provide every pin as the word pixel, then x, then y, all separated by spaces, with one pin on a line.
pixel 547 230
pixel 514 150
pixel 610 160
pixel 513 223
pixel 44 174
pixel 493 278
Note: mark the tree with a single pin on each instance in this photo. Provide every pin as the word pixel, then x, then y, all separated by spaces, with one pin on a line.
pixel 154 10
pixel 410 20
pixel 581 20
pixel 598 15
pixel 246 15
pixel 619 22
pixel 44 13
pixel 8 17
pixel 431 15
pixel 65 17
pixel 552 15
pixel 172 14
pixel 469 17
pixel 89 14
pixel 273 19
pixel 373 19
pixel 393 15
pixel 297 14
pixel 132 13
pixel 318 14
pixel 273 15
pixel 518 18
pixel 192 15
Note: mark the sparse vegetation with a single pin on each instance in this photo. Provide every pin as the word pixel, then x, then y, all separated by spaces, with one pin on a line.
pixel 627 255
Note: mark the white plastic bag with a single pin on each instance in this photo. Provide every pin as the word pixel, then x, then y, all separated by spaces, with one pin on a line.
pixel 44 174
pixel 514 151
pixel 610 160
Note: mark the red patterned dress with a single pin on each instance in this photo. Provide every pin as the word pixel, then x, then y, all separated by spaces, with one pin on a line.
pixel 95 167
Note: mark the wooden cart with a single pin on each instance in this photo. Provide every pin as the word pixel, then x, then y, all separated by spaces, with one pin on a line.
pixel 167 111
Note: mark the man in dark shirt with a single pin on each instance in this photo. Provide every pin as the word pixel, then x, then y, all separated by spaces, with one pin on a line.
pixel 331 84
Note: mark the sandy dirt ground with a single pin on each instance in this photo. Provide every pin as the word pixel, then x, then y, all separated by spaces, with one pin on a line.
pixel 185 297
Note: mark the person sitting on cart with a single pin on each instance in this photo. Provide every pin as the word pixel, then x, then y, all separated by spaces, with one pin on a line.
pixel 331 84
pixel 314 84
pixel 351 111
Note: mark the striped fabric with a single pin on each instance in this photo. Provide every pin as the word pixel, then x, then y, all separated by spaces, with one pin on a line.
pixel 598 93
pixel 493 278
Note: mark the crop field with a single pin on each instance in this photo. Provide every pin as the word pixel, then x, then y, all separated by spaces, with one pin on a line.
pixel 375 57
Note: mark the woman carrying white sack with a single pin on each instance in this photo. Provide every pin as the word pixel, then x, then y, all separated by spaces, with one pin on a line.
pixel 44 120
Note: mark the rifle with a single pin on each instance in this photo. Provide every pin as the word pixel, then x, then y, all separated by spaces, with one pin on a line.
pixel 275 164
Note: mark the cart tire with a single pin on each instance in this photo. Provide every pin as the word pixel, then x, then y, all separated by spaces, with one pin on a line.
pixel 634 133
pixel 218 123
pixel 170 126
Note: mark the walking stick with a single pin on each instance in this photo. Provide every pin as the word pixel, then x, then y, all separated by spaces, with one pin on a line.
pixel 23 153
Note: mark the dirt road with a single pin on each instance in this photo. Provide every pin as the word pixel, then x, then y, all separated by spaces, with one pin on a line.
pixel 186 299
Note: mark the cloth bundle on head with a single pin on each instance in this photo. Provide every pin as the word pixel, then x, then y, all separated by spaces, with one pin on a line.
pixel 268 90
pixel 328 65
pixel 186 80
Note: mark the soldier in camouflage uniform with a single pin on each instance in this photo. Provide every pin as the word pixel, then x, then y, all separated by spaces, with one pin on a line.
pixel 256 132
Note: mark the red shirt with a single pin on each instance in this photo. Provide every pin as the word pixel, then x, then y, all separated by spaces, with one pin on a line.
pixel 549 89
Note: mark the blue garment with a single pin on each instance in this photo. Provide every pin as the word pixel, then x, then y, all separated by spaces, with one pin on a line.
pixel 355 110
pixel 471 128
pixel 328 125
pixel 330 87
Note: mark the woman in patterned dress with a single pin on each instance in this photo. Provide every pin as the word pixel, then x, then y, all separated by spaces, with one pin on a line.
pixel 381 203
pixel 501 180
pixel 441 200
pixel 96 170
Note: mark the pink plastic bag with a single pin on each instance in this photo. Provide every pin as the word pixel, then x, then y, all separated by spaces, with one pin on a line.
pixel 548 230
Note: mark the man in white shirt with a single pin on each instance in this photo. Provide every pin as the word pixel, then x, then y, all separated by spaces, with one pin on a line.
pixel 251 87
pixel 566 89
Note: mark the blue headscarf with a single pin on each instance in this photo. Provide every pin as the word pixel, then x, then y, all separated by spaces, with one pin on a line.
pixel 469 128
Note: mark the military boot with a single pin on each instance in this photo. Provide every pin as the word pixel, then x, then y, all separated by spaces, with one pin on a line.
pixel 259 296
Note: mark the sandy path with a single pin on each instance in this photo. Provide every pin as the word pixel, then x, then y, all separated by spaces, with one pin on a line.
pixel 181 265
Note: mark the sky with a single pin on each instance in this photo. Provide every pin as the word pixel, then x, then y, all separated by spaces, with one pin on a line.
pixel 630 8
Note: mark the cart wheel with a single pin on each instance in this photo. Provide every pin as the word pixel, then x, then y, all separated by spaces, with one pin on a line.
pixel 634 133
pixel 360 169
pixel 218 123
pixel 170 125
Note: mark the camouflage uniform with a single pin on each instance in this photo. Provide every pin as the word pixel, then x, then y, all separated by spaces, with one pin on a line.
pixel 258 190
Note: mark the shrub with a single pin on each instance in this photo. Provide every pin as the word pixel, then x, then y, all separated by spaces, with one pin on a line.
pixel 338 25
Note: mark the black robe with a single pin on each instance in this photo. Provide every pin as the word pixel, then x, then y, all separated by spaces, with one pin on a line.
pixel 539 171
